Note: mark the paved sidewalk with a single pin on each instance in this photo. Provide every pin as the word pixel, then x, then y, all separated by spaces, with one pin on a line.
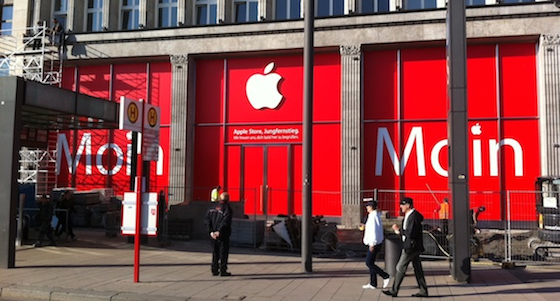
pixel 99 268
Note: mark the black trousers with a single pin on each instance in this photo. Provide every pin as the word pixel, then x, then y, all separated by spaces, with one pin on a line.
pixel 374 270
pixel 46 229
pixel 220 253
pixel 402 265
pixel 64 224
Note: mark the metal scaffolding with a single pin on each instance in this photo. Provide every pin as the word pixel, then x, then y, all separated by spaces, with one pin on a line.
pixel 34 53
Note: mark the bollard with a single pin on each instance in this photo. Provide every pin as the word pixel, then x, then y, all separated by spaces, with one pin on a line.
pixel 393 248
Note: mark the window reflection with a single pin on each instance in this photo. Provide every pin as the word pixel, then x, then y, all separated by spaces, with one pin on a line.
pixel 246 11
pixel 206 12
pixel 288 9
pixel 167 13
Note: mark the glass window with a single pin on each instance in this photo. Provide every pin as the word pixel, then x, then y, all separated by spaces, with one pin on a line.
pixel 288 9
pixel 475 2
pixel 325 8
pixel 246 11
pixel 6 16
pixel 130 14
pixel 60 11
pixel 206 12
pixel 94 15
pixel 517 1
pixel 419 4
pixel 167 13
pixel 374 6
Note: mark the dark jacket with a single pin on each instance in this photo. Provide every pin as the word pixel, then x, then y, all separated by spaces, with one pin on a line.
pixel 413 241
pixel 45 214
pixel 218 218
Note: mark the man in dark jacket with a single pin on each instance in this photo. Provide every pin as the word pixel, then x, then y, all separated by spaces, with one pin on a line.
pixel 413 246
pixel 46 209
pixel 218 225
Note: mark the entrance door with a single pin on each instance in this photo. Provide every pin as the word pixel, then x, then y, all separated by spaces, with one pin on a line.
pixel 266 179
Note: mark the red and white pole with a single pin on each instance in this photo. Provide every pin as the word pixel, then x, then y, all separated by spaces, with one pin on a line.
pixel 138 231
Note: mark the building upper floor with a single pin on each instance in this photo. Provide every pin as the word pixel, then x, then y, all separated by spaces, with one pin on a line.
pixel 115 15
pixel 115 28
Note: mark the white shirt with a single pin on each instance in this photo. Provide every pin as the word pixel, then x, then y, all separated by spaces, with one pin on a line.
pixel 373 232
pixel 406 215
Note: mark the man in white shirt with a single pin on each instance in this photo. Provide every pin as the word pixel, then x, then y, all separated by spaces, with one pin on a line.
pixel 373 239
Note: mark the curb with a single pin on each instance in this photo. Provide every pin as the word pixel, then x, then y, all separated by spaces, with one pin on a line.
pixel 57 294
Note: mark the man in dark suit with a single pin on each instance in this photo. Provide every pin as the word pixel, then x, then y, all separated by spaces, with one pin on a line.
pixel 218 224
pixel 413 245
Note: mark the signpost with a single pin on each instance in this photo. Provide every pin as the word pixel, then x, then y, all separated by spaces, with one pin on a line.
pixel 138 116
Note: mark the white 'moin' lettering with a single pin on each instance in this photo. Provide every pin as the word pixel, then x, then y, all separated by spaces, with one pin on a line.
pixel 415 136
pixel 62 144
pixel 99 159
pixel 517 155
pixel 434 158
pixel 85 148
pixel 477 157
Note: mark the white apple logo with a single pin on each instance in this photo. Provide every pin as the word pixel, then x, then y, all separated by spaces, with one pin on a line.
pixel 476 129
pixel 262 89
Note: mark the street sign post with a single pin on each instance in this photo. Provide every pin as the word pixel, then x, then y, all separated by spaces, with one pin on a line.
pixel 137 116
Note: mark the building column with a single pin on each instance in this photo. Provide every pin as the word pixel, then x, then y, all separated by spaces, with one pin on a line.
pixel 549 104
pixel 12 91
pixel 223 11
pixel 182 12
pixel 178 132
pixel 351 135
pixel 350 7
pixel 70 16
pixel 21 16
pixel 143 14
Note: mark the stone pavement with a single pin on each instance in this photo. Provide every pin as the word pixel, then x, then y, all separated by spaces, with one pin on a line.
pixel 96 267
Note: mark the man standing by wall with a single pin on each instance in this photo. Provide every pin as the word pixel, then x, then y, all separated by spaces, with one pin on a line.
pixel 413 246
pixel 218 224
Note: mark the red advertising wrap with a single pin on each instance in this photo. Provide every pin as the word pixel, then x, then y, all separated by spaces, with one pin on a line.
pixel 248 127
pixel 102 158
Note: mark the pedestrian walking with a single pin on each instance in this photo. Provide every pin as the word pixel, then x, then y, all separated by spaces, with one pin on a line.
pixel 413 246
pixel 65 217
pixel 46 209
pixel 218 224
pixel 373 239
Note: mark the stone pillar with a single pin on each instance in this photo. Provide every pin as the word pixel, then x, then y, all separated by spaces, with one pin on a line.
pixel 21 17
pixel 351 135
pixel 106 14
pixel 223 11
pixel 182 12
pixel 350 7
pixel 549 104
pixel 70 19
pixel 178 133
pixel 113 15
pixel 143 14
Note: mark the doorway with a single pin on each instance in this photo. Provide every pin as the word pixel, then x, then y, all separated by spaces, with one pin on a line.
pixel 266 179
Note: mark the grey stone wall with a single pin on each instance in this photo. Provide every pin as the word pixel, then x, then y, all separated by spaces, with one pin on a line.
pixel 549 109
pixel 351 134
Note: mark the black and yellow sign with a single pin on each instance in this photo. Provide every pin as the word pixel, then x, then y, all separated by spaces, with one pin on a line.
pixel 152 117
pixel 132 112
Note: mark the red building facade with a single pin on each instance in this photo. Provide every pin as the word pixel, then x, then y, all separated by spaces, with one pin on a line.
pixel 248 125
